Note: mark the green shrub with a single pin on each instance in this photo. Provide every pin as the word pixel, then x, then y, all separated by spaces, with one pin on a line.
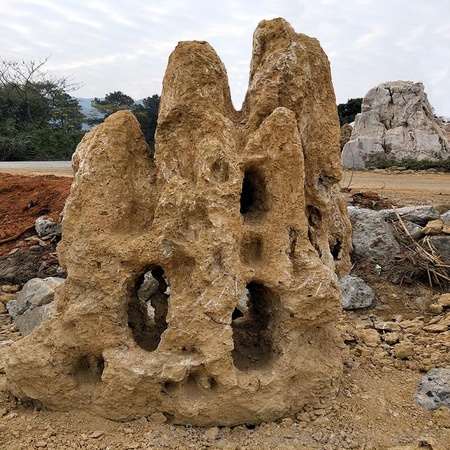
pixel 442 165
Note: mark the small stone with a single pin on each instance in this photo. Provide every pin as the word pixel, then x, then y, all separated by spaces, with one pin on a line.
pixel 436 328
pixel 370 337
pixel 157 418
pixel 41 444
pixel 442 417
pixel 404 350
pixel 304 417
pixel 435 308
pixel 387 326
pixel 433 227
pixel 390 338
pixel 356 294
pixel 434 389
pixel 322 421
pixel 9 288
pixel 211 434
pixel 96 434
pixel 287 422
pixel 444 300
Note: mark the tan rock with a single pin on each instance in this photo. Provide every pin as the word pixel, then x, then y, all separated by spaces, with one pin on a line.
pixel 435 308
pixel 5 298
pixel 404 349
pixel 442 416
pixel 370 337
pixel 238 228
pixel 433 227
pixel 391 338
pixel 9 288
pixel 436 328
pixel 444 300
pixel 346 133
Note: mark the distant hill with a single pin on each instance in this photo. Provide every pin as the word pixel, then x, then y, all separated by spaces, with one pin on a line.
pixel 85 104
pixel 87 109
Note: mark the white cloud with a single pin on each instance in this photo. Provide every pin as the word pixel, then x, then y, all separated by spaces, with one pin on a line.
pixel 116 45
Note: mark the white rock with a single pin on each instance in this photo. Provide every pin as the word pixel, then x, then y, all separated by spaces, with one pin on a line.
pixel 372 237
pixel 45 226
pixel 356 294
pixel 396 122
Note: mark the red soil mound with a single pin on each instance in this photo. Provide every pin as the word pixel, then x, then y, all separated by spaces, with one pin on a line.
pixel 25 198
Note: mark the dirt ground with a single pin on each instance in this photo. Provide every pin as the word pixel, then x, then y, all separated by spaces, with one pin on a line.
pixel 373 408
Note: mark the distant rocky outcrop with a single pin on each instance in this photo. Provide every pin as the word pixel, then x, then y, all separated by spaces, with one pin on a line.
pixel 396 122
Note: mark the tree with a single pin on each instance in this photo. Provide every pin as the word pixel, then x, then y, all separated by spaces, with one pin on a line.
pixel 37 115
pixel 113 102
pixel 347 111
pixel 146 112
pixel 147 115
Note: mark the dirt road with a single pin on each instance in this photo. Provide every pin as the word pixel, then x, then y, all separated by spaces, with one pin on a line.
pixel 419 188
pixel 411 188
pixel 62 168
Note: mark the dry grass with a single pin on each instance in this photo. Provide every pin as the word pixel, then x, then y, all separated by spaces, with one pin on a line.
pixel 420 258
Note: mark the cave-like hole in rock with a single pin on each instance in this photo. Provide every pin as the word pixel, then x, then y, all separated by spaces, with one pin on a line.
pixel 89 368
pixel 252 322
pixel 336 250
pixel 253 194
pixel 147 309
pixel 314 226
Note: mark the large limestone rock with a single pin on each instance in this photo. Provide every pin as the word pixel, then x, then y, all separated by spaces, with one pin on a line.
pixel 396 122
pixel 203 285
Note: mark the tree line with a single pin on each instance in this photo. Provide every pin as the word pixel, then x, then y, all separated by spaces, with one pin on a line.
pixel 40 119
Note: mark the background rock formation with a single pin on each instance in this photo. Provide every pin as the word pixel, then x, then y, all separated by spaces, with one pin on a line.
pixel 396 122
pixel 202 285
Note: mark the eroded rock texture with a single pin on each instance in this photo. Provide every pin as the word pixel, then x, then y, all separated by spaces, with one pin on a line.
pixel 396 122
pixel 202 285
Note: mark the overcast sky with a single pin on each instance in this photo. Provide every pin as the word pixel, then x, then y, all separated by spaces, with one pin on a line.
pixel 124 45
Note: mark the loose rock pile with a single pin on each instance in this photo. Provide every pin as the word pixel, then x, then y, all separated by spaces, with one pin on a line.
pixel 419 344
pixel 419 236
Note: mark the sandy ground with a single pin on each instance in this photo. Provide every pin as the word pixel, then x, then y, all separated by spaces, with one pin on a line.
pixel 373 408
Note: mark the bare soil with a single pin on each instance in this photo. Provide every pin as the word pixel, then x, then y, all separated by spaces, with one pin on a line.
pixel 373 408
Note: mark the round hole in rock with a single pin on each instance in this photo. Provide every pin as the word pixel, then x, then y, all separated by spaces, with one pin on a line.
pixel 251 324
pixel 253 200
pixel 336 250
pixel 147 309
pixel 89 369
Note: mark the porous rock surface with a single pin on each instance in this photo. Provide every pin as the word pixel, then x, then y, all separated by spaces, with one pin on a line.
pixel 396 122
pixel 238 230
